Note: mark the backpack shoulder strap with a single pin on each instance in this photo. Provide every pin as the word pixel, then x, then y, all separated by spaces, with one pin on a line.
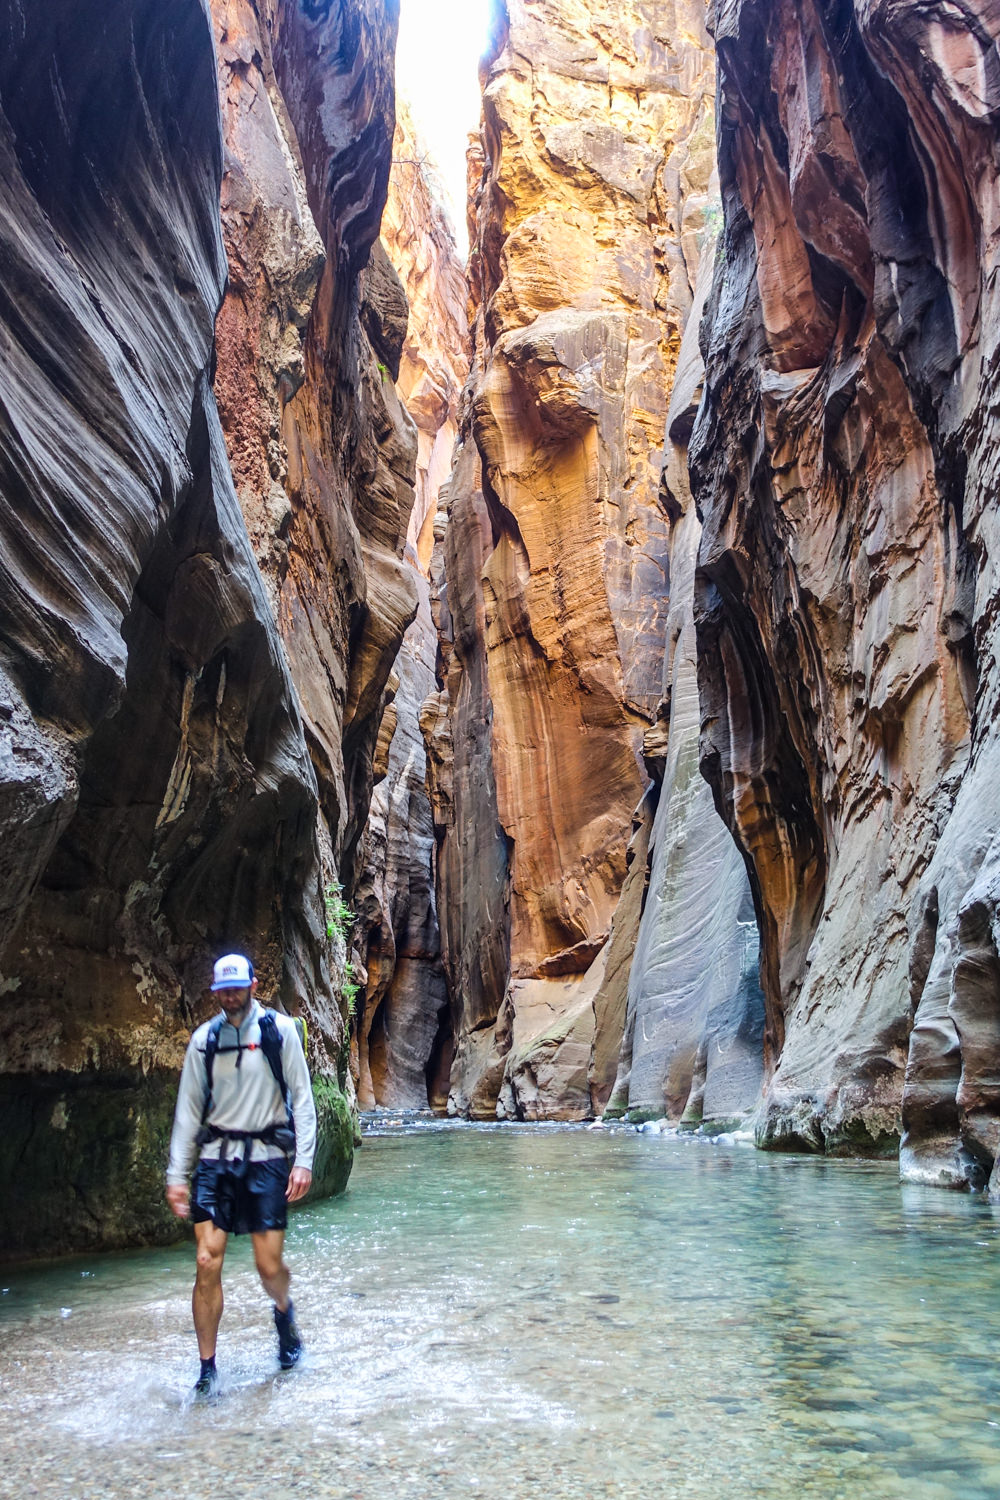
pixel 270 1045
pixel 211 1048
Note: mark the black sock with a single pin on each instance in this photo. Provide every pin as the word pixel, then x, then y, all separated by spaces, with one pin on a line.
pixel 287 1315
pixel 208 1366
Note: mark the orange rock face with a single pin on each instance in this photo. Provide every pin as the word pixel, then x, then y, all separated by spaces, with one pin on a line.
pixel 598 148
pixel 843 461
pixel 403 1032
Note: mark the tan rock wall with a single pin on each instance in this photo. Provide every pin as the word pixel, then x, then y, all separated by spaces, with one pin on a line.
pixel 598 149
pixel 472 858
pixel 310 337
pixel 692 1043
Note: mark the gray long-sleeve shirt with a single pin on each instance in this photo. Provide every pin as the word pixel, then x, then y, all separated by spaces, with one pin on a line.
pixel 244 1098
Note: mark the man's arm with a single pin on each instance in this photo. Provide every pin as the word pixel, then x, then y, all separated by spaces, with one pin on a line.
pixel 296 1071
pixel 187 1123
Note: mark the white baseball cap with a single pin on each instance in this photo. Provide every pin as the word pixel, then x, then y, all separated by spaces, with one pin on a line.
pixel 234 972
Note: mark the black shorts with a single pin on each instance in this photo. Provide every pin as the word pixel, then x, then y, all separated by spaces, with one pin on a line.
pixel 247 1204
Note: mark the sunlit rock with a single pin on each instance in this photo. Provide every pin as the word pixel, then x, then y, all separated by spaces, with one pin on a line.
pixel 597 155
pixel 403 1029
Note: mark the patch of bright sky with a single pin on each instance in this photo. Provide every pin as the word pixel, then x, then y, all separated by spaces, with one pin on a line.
pixel 437 61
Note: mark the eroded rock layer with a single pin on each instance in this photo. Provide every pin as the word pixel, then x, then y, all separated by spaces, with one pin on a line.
pixel 403 1031
pixel 310 341
pixel 163 795
pixel 692 1048
pixel 598 148
pixel 844 461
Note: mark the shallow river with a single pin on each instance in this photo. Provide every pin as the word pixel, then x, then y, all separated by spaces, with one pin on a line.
pixel 538 1312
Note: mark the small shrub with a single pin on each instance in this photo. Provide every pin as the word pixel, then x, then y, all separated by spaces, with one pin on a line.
pixel 339 926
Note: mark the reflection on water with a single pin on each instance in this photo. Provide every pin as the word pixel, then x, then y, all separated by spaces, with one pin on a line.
pixel 562 1313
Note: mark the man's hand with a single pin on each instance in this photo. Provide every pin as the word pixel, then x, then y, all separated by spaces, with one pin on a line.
pixel 299 1183
pixel 179 1198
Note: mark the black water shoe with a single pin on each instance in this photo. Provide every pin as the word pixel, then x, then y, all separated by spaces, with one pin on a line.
pixel 289 1343
pixel 207 1385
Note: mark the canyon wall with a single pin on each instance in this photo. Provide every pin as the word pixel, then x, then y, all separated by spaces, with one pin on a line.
pixel 403 1035
pixel 692 1048
pixel 844 462
pixel 597 155
pixel 192 691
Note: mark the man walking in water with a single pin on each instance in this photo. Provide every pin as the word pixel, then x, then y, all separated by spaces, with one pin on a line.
pixel 244 1108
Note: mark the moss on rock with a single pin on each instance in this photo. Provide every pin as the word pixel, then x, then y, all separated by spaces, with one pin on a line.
pixel 82 1161
pixel 334 1139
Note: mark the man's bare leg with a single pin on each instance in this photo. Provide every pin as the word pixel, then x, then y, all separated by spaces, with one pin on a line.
pixel 268 1248
pixel 206 1299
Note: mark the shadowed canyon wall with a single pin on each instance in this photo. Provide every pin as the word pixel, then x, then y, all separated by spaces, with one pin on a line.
pixel 844 462
pixel 665 646
pixel 192 693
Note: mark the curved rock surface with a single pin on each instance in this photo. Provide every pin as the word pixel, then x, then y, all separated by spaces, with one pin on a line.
pixel 158 781
pixel 844 462
pixel 692 1048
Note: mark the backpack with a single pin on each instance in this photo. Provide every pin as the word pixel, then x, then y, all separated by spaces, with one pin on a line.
pixel 270 1045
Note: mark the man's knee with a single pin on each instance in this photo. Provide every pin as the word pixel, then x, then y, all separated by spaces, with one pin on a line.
pixel 209 1262
pixel 269 1265
pixel 268 1253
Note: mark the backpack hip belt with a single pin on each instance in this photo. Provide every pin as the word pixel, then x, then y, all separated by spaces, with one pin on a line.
pixel 282 1136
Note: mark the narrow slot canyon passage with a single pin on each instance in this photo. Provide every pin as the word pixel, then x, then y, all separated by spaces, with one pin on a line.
pixel 497 537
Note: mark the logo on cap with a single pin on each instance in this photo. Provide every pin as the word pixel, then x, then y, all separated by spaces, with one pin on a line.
pixel 234 972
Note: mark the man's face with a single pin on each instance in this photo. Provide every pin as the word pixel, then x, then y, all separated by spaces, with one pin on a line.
pixel 236 1002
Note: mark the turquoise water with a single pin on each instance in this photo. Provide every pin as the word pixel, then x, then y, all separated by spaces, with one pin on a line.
pixel 504 1312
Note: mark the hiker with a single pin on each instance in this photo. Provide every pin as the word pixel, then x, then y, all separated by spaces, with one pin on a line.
pixel 244 1110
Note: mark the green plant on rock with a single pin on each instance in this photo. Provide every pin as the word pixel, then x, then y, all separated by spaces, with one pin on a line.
pixel 339 926
pixel 712 227
pixel 339 917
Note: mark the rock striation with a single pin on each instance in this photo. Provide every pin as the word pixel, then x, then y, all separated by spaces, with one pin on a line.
pixel 175 775
pixel 310 341
pixel 403 1032
pixel 597 154
pixel 843 461
pixel 692 1049
pixel 472 850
